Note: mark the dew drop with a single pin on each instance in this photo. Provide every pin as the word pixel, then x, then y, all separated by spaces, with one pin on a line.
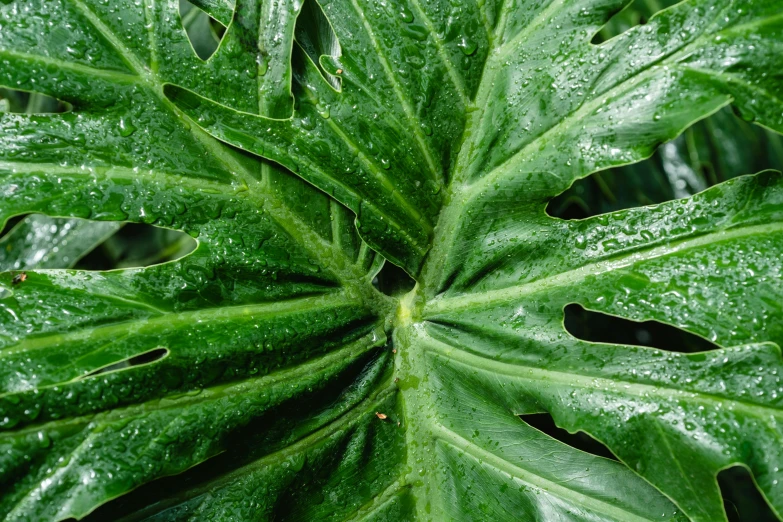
pixel 126 127
pixel 467 46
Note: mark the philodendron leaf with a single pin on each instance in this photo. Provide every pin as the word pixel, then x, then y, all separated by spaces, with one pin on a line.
pixel 263 376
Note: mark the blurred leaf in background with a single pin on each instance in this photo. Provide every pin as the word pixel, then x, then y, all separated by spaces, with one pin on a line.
pixel 203 31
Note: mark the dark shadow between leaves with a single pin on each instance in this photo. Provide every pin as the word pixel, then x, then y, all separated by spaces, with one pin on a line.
pixel 10 224
pixel 393 280
pixel 637 13
pixel 580 440
pixel 741 498
pixel 149 357
pixel 138 245
pixel 23 102
pixel 598 327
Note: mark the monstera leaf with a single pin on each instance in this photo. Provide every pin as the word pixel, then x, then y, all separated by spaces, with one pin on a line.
pixel 264 376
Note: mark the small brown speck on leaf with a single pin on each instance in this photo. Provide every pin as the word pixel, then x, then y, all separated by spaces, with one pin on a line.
pixel 339 71
pixel 381 416
pixel 19 278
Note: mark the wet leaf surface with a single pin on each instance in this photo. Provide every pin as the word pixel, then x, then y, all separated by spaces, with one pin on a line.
pixel 277 371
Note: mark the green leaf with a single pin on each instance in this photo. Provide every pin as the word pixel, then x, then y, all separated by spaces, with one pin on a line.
pixel 38 241
pixel 562 128
pixel 263 375
pixel 220 10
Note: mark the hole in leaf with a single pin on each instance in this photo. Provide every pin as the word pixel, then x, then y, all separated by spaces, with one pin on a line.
pixel 579 440
pixel 34 241
pixel 204 32
pixel 638 12
pixel 741 498
pixel 137 360
pixel 393 280
pixel 10 224
pixel 316 37
pixel 138 245
pixel 599 327
pixel 37 241
pixel 22 102
pixel 713 150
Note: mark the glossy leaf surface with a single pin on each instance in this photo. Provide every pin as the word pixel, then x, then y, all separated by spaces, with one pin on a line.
pixel 263 375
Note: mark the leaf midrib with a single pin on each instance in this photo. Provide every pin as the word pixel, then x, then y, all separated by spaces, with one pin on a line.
pixel 292 306
pixel 353 350
pixel 407 109
pixel 454 76
pixel 637 76
pixel 379 501
pixel 569 120
pixel 378 173
pixel 460 188
pixel 110 74
pixel 130 58
pixel 343 422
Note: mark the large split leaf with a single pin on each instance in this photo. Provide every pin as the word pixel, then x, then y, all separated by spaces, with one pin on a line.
pixel 263 376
